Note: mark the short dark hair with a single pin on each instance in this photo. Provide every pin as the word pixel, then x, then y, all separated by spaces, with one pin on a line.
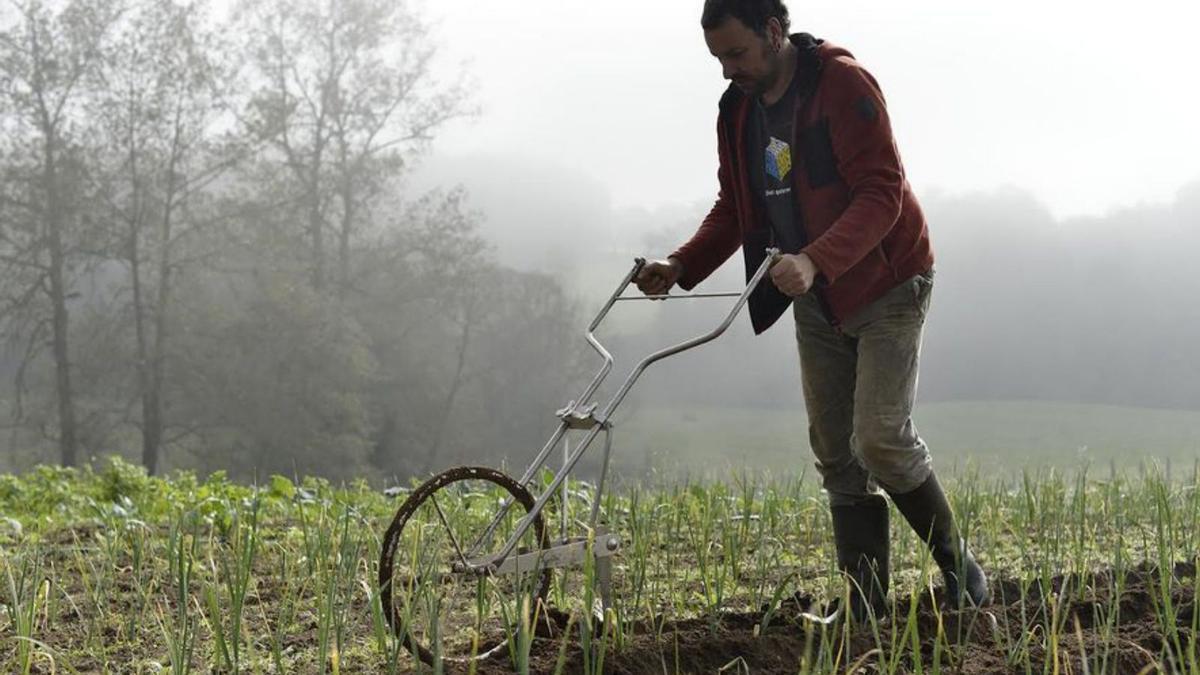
pixel 754 13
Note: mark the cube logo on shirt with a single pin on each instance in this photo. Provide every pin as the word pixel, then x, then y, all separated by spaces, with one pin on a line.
pixel 779 159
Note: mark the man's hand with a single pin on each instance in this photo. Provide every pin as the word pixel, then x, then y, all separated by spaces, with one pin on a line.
pixel 658 276
pixel 794 275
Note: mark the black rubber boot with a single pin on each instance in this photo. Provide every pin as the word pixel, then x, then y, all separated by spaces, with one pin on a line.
pixel 928 512
pixel 862 538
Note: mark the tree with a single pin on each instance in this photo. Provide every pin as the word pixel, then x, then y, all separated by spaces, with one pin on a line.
pixel 49 56
pixel 274 378
pixel 471 358
pixel 160 112
pixel 344 96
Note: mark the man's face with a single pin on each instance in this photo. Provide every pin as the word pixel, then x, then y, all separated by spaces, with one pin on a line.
pixel 750 60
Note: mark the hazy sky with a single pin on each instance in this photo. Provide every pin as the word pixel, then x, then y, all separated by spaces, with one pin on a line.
pixel 1088 105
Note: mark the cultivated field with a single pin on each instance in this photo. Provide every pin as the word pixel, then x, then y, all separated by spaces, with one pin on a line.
pixel 1094 572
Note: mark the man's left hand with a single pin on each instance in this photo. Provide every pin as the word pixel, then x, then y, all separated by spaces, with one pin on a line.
pixel 794 275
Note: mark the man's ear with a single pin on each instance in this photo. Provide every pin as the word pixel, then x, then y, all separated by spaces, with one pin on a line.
pixel 775 33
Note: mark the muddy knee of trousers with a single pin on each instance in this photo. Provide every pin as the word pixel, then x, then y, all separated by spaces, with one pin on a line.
pixel 872 495
pixel 846 481
pixel 897 461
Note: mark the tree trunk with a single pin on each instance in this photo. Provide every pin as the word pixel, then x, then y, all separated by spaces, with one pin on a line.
pixel 152 428
pixel 149 450
pixel 316 226
pixel 344 237
pixel 435 449
pixel 67 434
pixel 317 234
pixel 153 421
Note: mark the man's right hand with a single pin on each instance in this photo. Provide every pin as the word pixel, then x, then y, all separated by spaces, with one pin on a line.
pixel 658 276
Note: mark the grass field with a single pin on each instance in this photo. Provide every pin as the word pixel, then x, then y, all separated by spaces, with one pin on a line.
pixel 1006 437
pixel 113 572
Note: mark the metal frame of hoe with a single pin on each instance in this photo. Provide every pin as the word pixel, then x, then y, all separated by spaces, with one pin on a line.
pixel 583 416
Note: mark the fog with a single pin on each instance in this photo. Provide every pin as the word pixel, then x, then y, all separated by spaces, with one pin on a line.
pixel 1051 145
pixel 1027 305
pixel 364 239
pixel 1084 105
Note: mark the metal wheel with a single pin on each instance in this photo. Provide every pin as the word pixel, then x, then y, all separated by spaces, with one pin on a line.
pixel 437 610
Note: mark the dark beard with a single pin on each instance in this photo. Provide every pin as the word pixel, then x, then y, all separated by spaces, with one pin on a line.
pixel 775 71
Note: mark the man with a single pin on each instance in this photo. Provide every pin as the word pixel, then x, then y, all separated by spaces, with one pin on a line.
pixel 808 164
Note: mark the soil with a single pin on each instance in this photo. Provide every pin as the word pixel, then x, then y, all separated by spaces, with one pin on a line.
pixel 980 641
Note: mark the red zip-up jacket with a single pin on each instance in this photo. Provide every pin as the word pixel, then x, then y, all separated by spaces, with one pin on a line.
pixel 866 232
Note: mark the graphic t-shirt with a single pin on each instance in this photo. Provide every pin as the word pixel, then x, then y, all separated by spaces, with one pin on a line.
pixel 770 132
